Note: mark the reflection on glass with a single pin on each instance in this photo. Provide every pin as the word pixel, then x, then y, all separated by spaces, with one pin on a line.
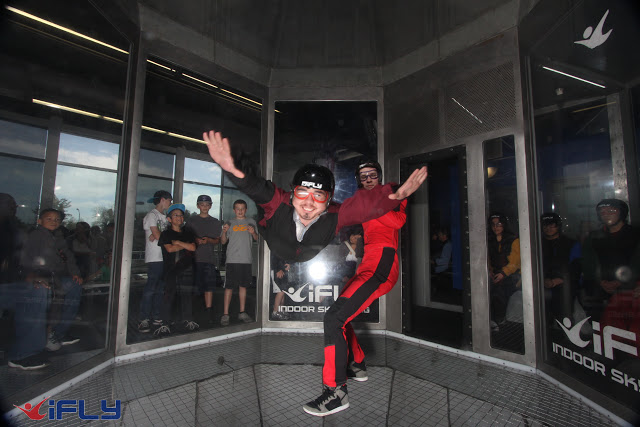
pixel 85 195
pixel 87 151
pixel 192 104
pixel 22 179
pixel 503 246
pixel 68 324
pixel 155 163
pixel 338 135
pixel 22 140
pixel 204 172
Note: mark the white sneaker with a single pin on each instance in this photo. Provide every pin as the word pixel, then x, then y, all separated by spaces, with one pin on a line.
pixel 244 317
pixel 190 325
pixel 224 320
pixel 53 344
pixel 144 326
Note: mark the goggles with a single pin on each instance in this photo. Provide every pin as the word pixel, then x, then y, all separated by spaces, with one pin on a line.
pixel 303 193
pixel 366 175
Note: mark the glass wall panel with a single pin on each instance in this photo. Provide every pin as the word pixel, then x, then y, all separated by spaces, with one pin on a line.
pixel 590 254
pixel 168 299
pixel 503 245
pixel 582 71
pixel 338 135
pixel 435 251
pixel 61 103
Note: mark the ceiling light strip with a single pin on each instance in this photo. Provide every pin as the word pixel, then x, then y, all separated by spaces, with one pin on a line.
pixel 201 81
pixel 574 77
pixel 61 28
pixel 111 119
pixel 591 108
pixel 160 65
pixel 239 96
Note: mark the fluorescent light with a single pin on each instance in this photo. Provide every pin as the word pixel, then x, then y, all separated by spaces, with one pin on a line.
pixel 595 106
pixel 160 65
pixel 201 81
pixel 470 113
pixel 188 138
pixel 574 77
pixel 111 119
pixel 239 96
pixel 61 28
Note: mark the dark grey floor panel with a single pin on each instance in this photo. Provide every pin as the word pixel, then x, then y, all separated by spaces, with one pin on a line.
pixel 263 380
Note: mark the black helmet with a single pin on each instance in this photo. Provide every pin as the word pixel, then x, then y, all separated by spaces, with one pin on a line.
pixel 615 203
pixel 314 176
pixel 368 164
pixel 551 218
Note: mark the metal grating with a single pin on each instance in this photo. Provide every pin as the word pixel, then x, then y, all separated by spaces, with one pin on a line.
pixel 480 104
pixel 408 385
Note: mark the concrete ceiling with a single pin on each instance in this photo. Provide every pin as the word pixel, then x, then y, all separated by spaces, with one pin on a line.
pixel 323 33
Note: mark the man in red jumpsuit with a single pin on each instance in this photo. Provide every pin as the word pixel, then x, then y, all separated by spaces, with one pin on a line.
pixel 375 276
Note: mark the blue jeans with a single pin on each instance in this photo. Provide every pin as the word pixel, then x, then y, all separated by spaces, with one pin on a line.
pixel 152 293
pixel 64 306
pixel 29 305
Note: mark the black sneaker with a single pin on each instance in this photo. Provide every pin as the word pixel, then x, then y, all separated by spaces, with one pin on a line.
pixel 357 371
pixel 30 363
pixel 332 400
pixel 69 339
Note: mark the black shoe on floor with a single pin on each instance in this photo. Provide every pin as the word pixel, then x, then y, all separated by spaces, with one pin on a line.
pixel 69 339
pixel 31 363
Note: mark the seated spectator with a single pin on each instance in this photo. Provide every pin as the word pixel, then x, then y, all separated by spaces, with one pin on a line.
pixel 27 296
pixel 98 244
pixel 351 252
pixel 442 261
pixel 103 274
pixel 560 265
pixel 47 255
pixel 82 245
pixel 611 256
pixel 504 267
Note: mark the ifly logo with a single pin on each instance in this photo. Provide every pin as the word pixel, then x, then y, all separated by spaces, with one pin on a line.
pixel 594 38
pixel 311 184
pixel 607 340
pixel 316 293
pixel 573 333
pixel 297 295
pixel 66 406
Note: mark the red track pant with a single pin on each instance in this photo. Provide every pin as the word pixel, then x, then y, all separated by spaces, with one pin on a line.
pixel 376 275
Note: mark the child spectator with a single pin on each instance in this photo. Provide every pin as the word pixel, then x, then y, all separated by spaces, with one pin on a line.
pixel 47 255
pixel 207 231
pixel 240 234
pixel 177 247
pixel 153 223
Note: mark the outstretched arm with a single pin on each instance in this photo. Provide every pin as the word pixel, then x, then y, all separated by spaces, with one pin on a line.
pixel 412 183
pixel 220 152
